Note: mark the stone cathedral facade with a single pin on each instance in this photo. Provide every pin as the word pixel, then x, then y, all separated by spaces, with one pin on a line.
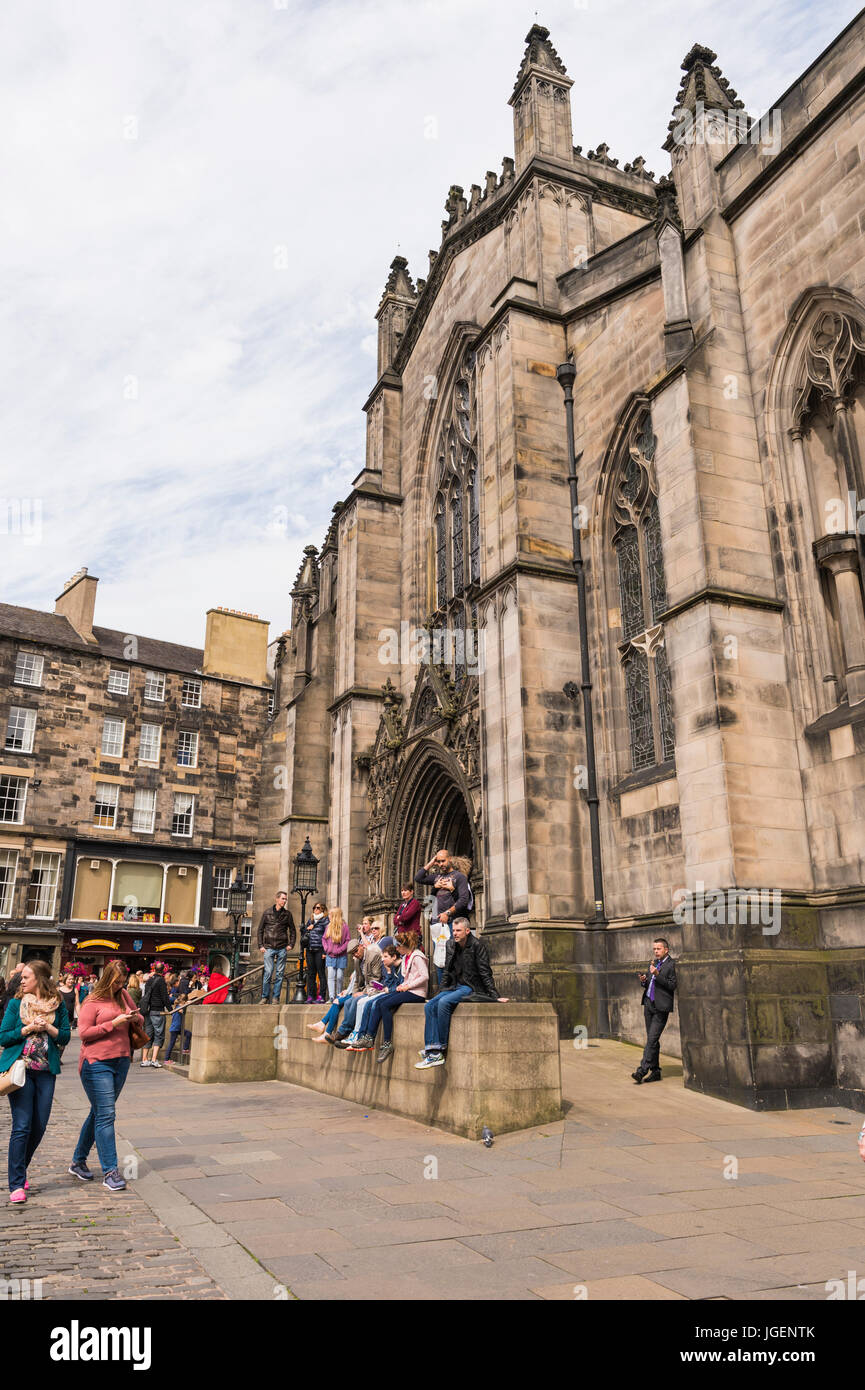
pixel 716 320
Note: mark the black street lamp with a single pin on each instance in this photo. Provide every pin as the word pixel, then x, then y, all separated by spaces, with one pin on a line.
pixel 237 899
pixel 305 879
pixel 566 375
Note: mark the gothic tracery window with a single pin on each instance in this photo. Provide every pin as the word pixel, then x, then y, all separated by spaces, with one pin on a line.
pixel 642 600
pixel 827 428
pixel 456 513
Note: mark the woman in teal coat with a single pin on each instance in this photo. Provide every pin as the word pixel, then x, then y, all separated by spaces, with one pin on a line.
pixel 35 1026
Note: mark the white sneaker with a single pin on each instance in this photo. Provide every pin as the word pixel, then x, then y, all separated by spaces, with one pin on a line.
pixel 156 1064
pixel 145 1064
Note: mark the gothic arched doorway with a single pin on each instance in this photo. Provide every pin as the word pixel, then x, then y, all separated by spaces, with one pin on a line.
pixel 430 811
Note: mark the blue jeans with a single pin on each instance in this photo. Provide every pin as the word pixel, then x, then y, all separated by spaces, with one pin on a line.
pixel 349 1015
pixel 330 1017
pixel 273 957
pixel 384 1009
pixel 335 973
pixel 437 1017
pixel 102 1082
pixel 31 1110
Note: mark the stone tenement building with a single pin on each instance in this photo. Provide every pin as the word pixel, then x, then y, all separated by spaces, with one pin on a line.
pixel 716 321
pixel 128 783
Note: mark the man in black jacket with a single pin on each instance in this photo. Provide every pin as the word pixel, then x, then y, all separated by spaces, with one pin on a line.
pixel 658 989
pixel 276 932
pixel 154 1002
pixel 467 975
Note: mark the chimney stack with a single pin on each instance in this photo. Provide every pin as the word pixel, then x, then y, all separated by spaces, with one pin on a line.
pixel 77 603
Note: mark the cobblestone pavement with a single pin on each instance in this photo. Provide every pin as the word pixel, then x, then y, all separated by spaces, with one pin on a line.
pixel 80 1240
pixel 648 1192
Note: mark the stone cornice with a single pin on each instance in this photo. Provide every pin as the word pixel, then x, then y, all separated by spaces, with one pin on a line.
pixel 388 381
pixel 711 594
pixel 538 569
pixel 355 692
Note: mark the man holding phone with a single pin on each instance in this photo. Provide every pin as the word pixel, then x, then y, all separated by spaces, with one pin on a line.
pixel 659 986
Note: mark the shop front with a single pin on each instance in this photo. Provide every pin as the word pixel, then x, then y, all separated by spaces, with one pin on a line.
pixel 93 943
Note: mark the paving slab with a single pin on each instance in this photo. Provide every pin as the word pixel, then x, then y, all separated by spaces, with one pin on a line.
pixel 264 1190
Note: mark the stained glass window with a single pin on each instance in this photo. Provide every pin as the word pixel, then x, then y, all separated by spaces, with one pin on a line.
pixel 457 539
pixel 441 557
pixel 642 600
pixel 665 703
pixel 474 526
pixel 630 583
pixel 655 560
pixel 639 709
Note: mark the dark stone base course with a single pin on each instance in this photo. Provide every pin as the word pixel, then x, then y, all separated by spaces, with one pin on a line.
pixel 770 1022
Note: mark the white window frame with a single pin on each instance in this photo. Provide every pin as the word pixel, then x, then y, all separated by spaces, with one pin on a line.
pixel 112 751
pixel 183 796
pixel 27 729
pixel 150 762
pixel 248 877
pixel 36 664
pixel 220 889
pixel 110 787
pixel 187 687
pixel 123 687
pixel 15 820
pixel 138 810
pixel 53 868
pixel 159 678
pixel 7 886
pixel 245 937
pixel 187 734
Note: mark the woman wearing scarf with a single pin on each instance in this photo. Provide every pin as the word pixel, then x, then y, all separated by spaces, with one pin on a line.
pixel 35 1026
pixel 106 1052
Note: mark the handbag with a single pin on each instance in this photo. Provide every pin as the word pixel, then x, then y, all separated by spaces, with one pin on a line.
pixel 137 1034
pixel 14 1078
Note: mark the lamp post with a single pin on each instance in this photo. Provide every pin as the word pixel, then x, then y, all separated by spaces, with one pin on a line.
pixel 305 879
pixel 237 898
pixel 566 375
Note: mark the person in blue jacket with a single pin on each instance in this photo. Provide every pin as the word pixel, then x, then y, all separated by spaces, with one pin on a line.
pixel 35 1027
pixel 311 938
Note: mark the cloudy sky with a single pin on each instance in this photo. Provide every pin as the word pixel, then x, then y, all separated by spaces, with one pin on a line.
pixel 200 201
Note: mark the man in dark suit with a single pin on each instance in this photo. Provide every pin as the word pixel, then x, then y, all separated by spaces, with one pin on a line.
pixel 659 986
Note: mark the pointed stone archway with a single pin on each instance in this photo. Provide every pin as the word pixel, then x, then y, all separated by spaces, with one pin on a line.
pixel 432 809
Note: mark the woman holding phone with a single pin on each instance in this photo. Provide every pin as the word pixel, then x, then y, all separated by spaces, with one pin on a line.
pixel 106 1052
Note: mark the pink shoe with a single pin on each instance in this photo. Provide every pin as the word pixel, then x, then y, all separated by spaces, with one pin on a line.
pixel 26 1185
pixel 318 999
pixel 19 1195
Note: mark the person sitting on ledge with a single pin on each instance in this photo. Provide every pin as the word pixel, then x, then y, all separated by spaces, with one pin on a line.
pixel 390 978
pixel 324 1027
pixel 369 972
pixel 467 976
pixel 413 989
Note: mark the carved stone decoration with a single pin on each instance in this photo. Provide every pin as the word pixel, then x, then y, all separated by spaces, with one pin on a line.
pixel 427 708
pixel 637 483
pixel 830 367
pixel 467 746
pixel 391 716
pixel 440 717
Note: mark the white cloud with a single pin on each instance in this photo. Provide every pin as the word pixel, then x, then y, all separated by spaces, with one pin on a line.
pixel 165 387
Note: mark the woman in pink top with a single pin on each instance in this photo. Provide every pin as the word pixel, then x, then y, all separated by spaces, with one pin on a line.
pixel 103 1027
pixel 413 990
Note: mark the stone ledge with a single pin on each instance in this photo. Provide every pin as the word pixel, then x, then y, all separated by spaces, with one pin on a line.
pixel 503 1067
